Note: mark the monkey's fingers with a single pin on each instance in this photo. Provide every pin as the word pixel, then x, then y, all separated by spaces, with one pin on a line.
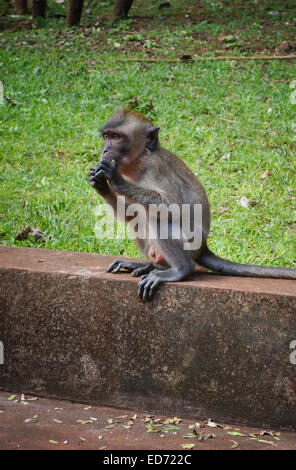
pixel 112 266
pixel 147 286
pixel 153 287
pixel 148 289
pixel 143 270
pixel 92 179
pixel 141 285
pixel 95 182
pixel 92 173
pixel 118 264
pixel 99 173
pixel 107 173
pixel 104 162
pixel 96 177
pixel 105 165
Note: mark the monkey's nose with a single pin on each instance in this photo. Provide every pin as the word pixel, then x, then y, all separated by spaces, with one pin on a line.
pixel 104 153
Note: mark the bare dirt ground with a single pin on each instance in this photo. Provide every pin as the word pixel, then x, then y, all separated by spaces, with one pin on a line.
pixel 28 422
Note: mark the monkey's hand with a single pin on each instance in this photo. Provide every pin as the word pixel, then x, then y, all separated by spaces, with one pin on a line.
pixel 98 182
pixel 108 170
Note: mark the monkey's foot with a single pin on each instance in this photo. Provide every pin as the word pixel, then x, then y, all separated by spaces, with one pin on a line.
pixel 149 282
pixel 144 269
pixel 137 268
pixel 148 285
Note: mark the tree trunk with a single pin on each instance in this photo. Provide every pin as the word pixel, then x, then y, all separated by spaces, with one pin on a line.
pixel 38 8
pixel 122 8
pixel 74 12
pixel 21 7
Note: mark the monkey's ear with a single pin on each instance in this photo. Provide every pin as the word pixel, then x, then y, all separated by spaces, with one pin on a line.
pixel 152 138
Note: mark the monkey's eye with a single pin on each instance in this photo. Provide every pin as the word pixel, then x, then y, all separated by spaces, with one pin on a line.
pixel 105 136
pixel 116 137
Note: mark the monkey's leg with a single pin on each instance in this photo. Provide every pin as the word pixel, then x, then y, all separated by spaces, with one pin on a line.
pixel 136 267
pixel 181 266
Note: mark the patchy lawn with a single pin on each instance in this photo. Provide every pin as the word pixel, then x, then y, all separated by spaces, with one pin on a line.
pixel 233 122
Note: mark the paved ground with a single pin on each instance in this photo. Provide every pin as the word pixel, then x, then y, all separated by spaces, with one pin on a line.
pixel 39 423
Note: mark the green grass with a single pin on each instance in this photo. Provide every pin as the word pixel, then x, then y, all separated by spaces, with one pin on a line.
pixel 229 120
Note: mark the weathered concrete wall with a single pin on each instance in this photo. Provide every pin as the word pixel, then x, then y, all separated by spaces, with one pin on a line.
pixel 212 346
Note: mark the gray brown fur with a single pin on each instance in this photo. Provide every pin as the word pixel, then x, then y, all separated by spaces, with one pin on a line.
pixel 136 166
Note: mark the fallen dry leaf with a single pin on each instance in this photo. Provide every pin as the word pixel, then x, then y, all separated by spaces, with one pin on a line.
pixel 243 202
pixel 23 234
pixel 266 174
pixel 126 426
pixel 235 445
pixel 263 441
pixel 222 209
pixel 187 446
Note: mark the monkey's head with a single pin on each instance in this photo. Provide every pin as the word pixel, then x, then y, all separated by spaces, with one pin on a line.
pixel 126 136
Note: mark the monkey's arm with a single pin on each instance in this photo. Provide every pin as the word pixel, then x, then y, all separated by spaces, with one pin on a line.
pixel 120 186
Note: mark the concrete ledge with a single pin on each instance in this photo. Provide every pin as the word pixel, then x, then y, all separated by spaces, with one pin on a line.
pixel 212 346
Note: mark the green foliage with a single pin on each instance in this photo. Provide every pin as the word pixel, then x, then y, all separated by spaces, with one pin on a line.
pixel 230 121
pixel 3 7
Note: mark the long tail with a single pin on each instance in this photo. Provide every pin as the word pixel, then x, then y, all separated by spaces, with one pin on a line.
pixel 209 260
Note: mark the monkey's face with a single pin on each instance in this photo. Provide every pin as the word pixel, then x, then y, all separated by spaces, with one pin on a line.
pixel 126 136
pixel 116 147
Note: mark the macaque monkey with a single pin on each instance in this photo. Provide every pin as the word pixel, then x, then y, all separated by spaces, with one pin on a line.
pixel 134 165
